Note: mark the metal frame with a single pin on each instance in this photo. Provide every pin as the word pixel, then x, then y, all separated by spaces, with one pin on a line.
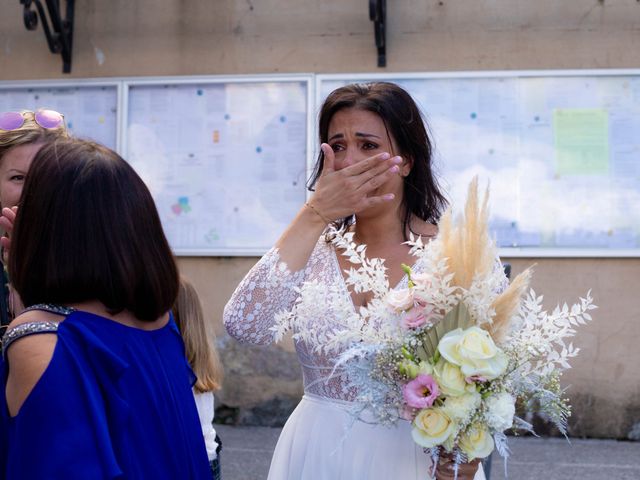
pixel 505 252
pixel 215 79
pixel 314 84
pixel 76 83
pixel 123 84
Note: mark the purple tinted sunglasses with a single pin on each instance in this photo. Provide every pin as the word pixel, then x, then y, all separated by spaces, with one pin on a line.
pixel 45 118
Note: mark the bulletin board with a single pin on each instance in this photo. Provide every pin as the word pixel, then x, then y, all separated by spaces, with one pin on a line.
pixel 560 149
pixel 226 159
pixel 90 108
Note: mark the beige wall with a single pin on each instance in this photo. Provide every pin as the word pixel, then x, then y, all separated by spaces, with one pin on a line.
pixel 178 37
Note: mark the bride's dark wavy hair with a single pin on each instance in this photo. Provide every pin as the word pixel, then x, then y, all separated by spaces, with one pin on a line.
pixel 404 123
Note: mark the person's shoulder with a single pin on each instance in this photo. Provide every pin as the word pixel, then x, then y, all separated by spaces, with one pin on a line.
pixel 26 344
pixel 28 355
pixel 21 331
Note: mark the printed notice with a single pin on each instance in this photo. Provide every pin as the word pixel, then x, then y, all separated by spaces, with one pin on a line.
pixel 581 141
pixel 231 181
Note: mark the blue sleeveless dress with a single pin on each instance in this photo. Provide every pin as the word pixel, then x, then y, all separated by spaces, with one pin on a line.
pixel 114 403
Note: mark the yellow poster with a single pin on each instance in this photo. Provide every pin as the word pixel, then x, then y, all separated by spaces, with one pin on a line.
pixel 581 141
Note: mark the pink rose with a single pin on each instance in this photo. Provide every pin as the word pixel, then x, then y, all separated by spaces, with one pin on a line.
pixel 420 314
pixel 420 392
pixel 414 318
pixel 400 300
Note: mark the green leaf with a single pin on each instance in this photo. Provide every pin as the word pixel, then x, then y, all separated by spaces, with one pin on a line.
pixel 457 317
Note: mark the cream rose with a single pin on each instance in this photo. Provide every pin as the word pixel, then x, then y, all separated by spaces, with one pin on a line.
pixel 431 427
pixel 400 300
pixel 501 408
pixel 476 442
pixel 450 379
pixel 474 351
pixel 460 408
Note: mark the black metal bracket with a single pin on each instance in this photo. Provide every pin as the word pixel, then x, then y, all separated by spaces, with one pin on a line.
pixel 60 33
pixel 378 15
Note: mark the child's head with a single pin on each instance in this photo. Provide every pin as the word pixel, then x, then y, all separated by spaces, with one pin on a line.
pixel 201 354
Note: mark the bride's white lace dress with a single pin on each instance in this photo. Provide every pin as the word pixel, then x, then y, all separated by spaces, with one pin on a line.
pixel 320 441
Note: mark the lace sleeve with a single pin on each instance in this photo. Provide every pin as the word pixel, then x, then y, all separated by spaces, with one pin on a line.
pixel 268 288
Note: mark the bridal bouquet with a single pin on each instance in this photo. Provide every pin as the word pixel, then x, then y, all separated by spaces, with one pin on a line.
pixel 455 349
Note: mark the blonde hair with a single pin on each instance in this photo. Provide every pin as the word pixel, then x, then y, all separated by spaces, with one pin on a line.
pixel 201 354
pixel 30 132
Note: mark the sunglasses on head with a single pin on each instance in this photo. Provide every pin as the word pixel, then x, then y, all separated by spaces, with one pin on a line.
pixel 45 118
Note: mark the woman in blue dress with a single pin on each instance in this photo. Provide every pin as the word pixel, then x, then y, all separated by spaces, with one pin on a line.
pixel 97 385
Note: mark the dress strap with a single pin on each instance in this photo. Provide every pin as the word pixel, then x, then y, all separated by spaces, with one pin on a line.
pixel 33 328
pixel 25 329
pixel 51 308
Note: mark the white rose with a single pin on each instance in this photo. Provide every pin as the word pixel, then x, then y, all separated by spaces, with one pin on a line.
pixel 474 351
pixel 501 408
pixel 450 379
pixel 476 442
pixel 461 408
pixel 431 427
pixel 401 299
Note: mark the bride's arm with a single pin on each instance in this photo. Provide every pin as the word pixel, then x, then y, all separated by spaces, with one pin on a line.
pixel 270 285
pixel 267 289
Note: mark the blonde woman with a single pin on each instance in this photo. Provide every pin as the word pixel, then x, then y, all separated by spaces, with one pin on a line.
pixel 22 134
pixel 204 361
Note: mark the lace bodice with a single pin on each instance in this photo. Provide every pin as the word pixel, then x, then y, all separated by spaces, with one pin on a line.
pixel 270 288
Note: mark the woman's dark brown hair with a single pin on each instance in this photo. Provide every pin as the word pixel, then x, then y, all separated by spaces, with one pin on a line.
pixel 403 121
pixel 87 229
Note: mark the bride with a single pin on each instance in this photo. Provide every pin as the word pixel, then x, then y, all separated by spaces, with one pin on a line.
pixel 373 177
